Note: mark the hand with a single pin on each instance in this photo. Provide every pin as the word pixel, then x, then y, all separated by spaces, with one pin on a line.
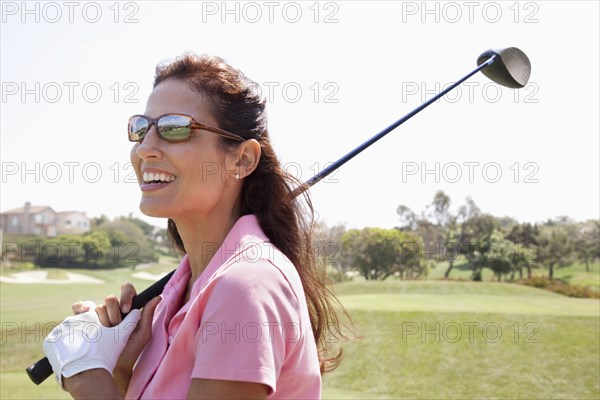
pixel 120 355
pixel 81 343
pixel 110 315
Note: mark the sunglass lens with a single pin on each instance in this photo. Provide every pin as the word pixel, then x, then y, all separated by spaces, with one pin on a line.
pixel 175 127
pixel 138 127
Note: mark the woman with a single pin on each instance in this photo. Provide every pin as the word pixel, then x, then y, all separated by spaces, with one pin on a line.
pixel 246 313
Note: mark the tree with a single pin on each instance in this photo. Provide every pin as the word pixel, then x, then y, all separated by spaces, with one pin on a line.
pixel 91 250
pixel 327 243
pixel 500 258
pixel 441 206
pixel 128 241
pixel 477 241
pixel 452 239
pixel 469 209
pixel 506 224
pixel 587 243
pixel 408 219
pixel 522 257
pixel 147 228
pixel 429 225
pixel 457 233
pixel 554 249
pixel 467 233
pixel 97 221
pixel 378 253
pixel 525 235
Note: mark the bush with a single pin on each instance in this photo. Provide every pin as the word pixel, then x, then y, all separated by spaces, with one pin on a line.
pixel 121 245
pixel 26 266
pixel 18 266
pixel 336 276
pixel 560 287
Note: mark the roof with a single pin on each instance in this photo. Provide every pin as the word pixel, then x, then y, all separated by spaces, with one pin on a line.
pixel 71 212
pixel 32 210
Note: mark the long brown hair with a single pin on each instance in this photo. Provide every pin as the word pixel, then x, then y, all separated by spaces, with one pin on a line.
pixel 239 107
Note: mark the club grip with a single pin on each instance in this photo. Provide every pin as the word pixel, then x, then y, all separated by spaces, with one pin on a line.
pixel 39 371
pixel 42 369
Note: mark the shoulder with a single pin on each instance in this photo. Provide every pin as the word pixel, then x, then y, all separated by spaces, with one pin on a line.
pixel 261 269
pixel 258 292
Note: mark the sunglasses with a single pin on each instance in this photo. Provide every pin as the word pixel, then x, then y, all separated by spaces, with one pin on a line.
pixel 171 127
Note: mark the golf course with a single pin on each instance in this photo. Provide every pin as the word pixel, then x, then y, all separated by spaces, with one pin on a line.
pixel 423 339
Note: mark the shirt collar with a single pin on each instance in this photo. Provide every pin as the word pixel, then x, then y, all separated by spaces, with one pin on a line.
pixel 245 232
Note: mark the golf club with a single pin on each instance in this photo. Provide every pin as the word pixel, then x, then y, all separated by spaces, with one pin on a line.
pixel 508 67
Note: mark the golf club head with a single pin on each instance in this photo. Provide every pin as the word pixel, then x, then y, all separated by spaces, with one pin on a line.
pixel 511 68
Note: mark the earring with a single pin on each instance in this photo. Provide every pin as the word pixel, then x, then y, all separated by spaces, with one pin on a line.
pixel 237 177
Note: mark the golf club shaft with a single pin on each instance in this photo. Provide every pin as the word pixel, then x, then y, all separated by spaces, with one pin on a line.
pixel 359 149
pixel 42 369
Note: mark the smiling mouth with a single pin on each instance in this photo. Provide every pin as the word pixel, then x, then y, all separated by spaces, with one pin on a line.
pixel 153 178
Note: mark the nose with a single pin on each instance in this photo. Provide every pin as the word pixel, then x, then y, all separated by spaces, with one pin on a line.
pixel 150 146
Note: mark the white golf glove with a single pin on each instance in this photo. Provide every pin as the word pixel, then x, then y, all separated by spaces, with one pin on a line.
pixel 81 343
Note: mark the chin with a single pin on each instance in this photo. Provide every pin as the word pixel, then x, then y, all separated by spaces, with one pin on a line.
pixel 153 210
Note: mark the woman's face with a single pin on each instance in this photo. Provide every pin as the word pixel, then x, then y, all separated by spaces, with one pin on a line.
pixel 196 175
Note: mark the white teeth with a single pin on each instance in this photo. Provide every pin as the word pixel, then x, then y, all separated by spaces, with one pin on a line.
pixel 154 176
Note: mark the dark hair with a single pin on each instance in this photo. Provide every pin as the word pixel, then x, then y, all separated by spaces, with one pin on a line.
pixel 238 106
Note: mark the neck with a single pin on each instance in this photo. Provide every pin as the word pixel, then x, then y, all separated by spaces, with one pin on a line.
pixel 202 238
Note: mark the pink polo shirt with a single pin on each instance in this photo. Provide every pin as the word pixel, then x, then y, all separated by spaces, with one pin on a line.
pixel 247 320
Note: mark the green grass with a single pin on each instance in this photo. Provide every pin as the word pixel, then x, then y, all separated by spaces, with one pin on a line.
pixel 576 274
pixel 30 303
pixel 420 339
pixel 470 297
pixel 333 393
pixel 460 270
pixel 29 311
pixel 431 355
pixel 466 340
pixel 392 286
pixel 164 264
pixel 16 385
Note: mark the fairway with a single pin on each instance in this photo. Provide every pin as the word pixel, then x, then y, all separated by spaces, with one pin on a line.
pixel 467 340
pixel 420 339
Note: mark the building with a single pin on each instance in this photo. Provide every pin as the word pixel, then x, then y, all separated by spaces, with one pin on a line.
pixel 75 222
pixel 43 220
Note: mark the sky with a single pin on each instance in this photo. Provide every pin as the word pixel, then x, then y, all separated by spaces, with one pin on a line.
pixel 334 73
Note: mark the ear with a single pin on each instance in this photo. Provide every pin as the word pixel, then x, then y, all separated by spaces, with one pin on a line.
pixel 248 155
